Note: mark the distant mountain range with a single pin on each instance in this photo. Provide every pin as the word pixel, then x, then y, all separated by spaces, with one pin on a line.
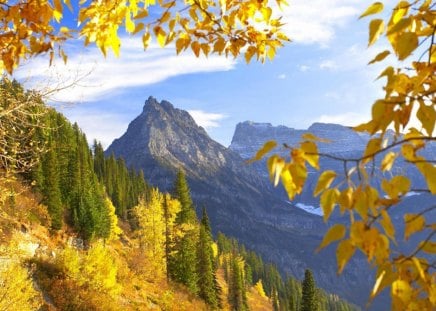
pixel 239 198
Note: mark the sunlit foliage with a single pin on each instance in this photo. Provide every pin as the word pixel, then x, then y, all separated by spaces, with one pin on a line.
pixel 409 93
pixel 225 27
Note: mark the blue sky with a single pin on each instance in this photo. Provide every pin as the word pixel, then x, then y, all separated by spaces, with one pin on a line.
pixel 320 77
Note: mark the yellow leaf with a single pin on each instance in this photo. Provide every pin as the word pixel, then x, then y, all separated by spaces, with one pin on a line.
pixel 130 25
pixel 405 44
pixel 419 268
pixel 328 202
pixel 427 116
pixel 146 40
pixel 310 153
pixel 399 11
pixel 398 185
pixel 345 199
pixel 335 233
pixel 311 137
pixel 288 184
pixel 413 223
pixel 401 290
pixel 380 56
pixel 429 172
pixel 374 8
pixel 344 252
pixel 249 53
pixel 388 161
pixel 160 35
pixel 267 147
pixel 219 45
pixel 275 166
pixel 376 27
pixel 195 46
pixel 165 17
pixel 400 26
pixel 373 146
pixel 377 283
pixel 428 247
pixel 324 181
pixel 142 14
pixel 138 28
pixel 387 225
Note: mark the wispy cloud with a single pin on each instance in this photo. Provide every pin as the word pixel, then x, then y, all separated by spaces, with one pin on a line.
pixel 282 76
pixel 303 68
pixel 328 65
pixel 97 124
pixel 206 119
pixel 315 21
pixel 100 78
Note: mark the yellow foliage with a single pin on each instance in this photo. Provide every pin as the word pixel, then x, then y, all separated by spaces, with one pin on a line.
pixel 16 288
pixel 224 27
pixel 259 288
pixel 409 92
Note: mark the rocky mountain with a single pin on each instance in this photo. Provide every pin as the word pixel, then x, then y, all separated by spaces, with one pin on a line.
pixel 239 200
pixel 342 141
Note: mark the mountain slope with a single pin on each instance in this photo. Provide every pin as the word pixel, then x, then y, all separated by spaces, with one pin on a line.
pixel 240 202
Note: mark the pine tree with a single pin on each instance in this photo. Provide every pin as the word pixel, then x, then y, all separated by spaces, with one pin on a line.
pixel 51 190
pixel 207 282
pixel 183 263
pixel 237 291
pixel 308 299
pixel 182 193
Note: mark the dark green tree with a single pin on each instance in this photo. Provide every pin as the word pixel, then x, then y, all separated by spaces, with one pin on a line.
pixel 182 193
pixel 206 268
pixel 237 291
pixel 51 190
pixel 183 262
pixel 309 298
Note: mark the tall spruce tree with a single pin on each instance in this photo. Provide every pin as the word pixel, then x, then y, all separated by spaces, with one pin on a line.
pixel 51 190
pixel 309 298
pixel 206 268
pixel 183 264
pixel 237 292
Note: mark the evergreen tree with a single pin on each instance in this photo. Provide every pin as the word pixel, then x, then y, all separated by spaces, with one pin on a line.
pixel 308 299
pixel 51 190
pixel 237 292
pixel 182 193
pixel 207 282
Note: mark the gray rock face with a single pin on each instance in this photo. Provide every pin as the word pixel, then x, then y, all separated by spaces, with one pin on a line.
pixel 240 201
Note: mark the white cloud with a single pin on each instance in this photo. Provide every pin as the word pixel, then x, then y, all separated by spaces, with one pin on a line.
pixel 101 78
pixel 328 65
pixel 315 21
pixel 347 118
pixel 281 76
pixel 303 68
pixel 206 119
pixel 97 124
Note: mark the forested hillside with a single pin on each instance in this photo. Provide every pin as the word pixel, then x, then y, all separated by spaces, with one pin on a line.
pixel 84 232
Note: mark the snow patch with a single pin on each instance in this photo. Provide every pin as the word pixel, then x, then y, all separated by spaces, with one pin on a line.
pixel 310 209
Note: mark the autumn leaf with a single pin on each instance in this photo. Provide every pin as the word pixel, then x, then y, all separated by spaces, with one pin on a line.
pixel 324 181
pixel 379 57
pixel 413 223
pixel 267 147
pixel 376 27
pixel 328 200
pixel 374 8
pixel 344 252
pixel 405 44
pixel 335 233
